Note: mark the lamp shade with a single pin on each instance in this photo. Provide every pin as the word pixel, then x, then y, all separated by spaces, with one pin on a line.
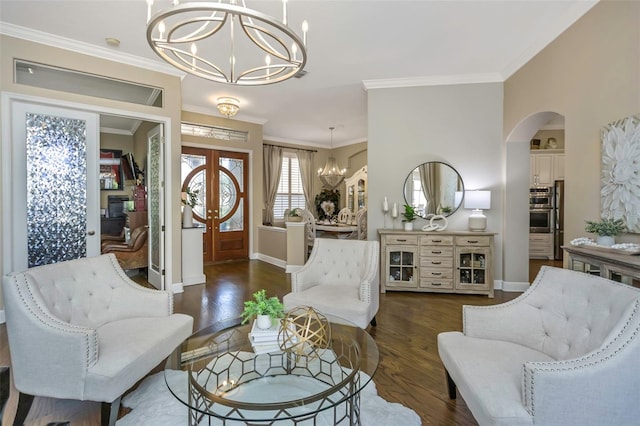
pixel 480 200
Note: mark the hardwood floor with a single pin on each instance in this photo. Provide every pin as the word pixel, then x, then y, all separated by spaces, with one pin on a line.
pixel 409 372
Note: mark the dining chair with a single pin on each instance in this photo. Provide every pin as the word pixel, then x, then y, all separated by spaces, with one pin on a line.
pixel 344 215
pixel 309 230
pixel 361 223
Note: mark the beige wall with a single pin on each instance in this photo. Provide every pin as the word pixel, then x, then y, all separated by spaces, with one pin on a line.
pixel 458 124
pixel 591 75
pixel 11 48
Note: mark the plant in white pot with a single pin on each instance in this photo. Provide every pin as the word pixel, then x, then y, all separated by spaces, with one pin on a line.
pixel 265 309
pixel 606 229
pixel 190 200
pixel 409 216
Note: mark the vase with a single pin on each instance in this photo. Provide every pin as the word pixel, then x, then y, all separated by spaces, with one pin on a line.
pixel 408 226
pixel 187 217
pixel 263 322
pixel 606 240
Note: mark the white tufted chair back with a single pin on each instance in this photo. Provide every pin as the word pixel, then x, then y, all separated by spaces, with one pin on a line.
pixel 566 313
pixel 86 292
pixel 340 278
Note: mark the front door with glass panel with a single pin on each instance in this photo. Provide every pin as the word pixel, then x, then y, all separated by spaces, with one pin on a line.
pixel 54 186
pixel 220 179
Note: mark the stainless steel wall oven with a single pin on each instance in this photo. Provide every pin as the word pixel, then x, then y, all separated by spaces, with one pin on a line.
pixel 541 210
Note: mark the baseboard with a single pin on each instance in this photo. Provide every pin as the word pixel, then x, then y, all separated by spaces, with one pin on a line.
pixel 271 260
pixel 177 288
pixel 194 279
pixel 2 319
pixel 292 268
pixel 515 286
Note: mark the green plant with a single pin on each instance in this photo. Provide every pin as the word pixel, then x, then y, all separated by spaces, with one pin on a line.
pixel 605 227
pixel 190 197
pixel 294 213
pixel 409 213
pixel 446 209
pixel 262 305
pixel 327 195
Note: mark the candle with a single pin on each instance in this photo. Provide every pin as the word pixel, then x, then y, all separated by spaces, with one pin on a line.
pixel 385 205
pixel 394 210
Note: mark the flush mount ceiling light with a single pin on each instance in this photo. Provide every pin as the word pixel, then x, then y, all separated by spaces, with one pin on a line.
pixel 331 175
pixel 227 42
pixel 228 106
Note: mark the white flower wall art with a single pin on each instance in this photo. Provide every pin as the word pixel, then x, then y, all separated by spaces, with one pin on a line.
pixel 620 179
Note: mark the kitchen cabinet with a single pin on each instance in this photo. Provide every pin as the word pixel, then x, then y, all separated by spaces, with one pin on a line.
pixel 546 167
pixel 541 246
pixel 440 262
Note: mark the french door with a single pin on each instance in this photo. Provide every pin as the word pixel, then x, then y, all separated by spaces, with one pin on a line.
pixel 53 204
pixel 221 181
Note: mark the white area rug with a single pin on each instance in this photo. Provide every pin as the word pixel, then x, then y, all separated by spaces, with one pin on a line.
pixel 153 404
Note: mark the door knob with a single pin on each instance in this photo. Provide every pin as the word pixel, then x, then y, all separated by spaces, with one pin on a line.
pixel 91 232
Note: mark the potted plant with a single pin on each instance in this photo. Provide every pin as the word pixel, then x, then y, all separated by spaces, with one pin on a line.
pixel 190 200
pixel 265 309
pixel 295 215
pixel 606 229
pixel 409 216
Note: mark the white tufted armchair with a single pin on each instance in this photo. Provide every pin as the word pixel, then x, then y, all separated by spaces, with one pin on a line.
pixel 82 330
pixel 340 279
pixel 566 352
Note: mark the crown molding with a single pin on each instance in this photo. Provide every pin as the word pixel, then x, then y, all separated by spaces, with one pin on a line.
pixel 434 80
pixel 41 37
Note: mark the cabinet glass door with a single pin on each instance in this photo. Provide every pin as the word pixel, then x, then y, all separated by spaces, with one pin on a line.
pixel 472 268
pixel 401 265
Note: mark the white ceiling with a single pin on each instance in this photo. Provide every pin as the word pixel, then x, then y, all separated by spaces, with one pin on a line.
pixel 353 44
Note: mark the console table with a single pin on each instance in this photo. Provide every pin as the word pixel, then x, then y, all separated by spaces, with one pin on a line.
pixel 444 262
pixel 607 263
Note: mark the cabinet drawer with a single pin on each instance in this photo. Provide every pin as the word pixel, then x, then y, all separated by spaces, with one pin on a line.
pixel 436 240
pixel 436 273
pixel 443 284
pixel 472 241
pixel 436 262
pixel 402 239
pixel 435 251
pixel 539 238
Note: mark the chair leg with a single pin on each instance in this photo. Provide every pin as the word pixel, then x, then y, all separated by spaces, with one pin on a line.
pixel 373 322
pixel 109 413
pixel 4 388
pixel 24 405
pixel 451 386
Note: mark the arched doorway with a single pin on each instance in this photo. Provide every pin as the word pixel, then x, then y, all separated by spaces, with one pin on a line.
pixel 516 226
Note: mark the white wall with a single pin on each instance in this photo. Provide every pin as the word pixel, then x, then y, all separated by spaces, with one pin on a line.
pixel 460 125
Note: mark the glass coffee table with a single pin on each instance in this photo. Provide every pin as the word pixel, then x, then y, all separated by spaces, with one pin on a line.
pixel 217 375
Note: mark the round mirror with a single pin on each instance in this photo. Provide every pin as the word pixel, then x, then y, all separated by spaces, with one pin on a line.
pixel 434 188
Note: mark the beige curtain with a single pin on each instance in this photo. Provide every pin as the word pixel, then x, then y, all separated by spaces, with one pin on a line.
pixel 305 162
pixel 272 167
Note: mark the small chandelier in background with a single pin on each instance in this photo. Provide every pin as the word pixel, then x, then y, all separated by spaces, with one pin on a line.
pixel 331 175
pixel 227 42
pixel 228 106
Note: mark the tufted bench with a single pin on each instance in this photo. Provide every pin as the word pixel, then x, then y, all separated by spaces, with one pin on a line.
pixel 566 352
pixel 83 330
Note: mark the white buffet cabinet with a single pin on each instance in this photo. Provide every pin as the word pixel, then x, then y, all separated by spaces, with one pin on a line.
pixel 443 262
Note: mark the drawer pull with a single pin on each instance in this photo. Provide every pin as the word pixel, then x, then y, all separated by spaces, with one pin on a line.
pixel 436 252
pixel 402 241
pixel 433 262
pixel 436 273
pixel 472 241
pixel 437 241
pixel 436 284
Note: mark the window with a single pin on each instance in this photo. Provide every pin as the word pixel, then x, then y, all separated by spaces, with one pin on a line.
pixel 290 194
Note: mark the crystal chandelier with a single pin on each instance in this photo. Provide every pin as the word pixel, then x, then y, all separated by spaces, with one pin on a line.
pixel 227 42
pixel 331 175
pixel 228 106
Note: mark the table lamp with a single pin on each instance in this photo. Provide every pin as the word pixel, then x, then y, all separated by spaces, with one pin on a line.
pixel 478 201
